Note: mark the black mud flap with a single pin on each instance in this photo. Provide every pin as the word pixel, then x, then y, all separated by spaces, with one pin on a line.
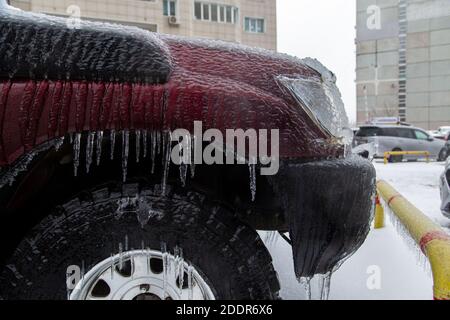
pixel 329 206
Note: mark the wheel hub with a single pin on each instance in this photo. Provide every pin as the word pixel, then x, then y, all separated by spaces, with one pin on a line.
pixel 142 275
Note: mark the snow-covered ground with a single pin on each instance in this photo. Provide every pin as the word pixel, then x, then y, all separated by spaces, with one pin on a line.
pixel 385 255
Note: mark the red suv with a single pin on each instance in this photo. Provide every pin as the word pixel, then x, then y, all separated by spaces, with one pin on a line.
pixel 92 208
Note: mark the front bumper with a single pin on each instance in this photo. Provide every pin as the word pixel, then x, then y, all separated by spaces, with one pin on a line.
pixel 329 207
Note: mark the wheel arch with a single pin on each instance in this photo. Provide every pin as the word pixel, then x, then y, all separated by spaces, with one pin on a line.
pixel 49 179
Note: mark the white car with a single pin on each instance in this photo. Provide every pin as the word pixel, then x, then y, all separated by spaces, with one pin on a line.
pixel 445 190
pixel 441 133
pixel 399 138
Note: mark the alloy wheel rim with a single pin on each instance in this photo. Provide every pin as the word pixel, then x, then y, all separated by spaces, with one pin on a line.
pixel 143 275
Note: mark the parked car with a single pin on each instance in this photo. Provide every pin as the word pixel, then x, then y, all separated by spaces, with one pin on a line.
pixel 441 133
pixel 445 152
pixel 399 138
pixel 445 190
pixel 87 191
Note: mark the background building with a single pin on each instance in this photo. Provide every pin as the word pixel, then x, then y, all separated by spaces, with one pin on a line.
pixel 251 22
pixel 403 61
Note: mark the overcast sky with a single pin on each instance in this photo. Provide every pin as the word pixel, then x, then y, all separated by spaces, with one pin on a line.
pixel 322 29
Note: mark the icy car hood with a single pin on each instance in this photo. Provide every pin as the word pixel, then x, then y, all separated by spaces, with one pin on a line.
pixel 55 80
pixel 306 83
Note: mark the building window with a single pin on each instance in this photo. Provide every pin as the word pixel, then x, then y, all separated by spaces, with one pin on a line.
pixel 254 25
pixel 229 15
pixel 222 14
pixel 215 12
pixel 198 10
pixel 205 11
pixel 170 7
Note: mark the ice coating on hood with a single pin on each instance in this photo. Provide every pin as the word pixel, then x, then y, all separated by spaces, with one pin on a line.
pixel 240 48
pixel 319 97
pixel 88 79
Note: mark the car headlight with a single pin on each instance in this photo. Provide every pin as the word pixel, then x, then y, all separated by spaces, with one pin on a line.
pixel 320 98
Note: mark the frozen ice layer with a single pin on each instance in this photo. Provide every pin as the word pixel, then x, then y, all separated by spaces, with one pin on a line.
pixel 41 47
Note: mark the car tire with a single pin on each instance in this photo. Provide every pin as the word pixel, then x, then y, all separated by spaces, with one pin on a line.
pixel 443 155
pixel 88 228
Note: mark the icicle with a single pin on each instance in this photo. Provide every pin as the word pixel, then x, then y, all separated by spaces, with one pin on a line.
pixel 143 211
pixel 347 137
pixel 144 142
pixel 126 242
pixel 83 270
pixel 176 254
pixel 138 145
pixel 113 143
pixel 120 256
pixel 190 282
pixel 125 152
pixel 179 268
pixel 252 169
pixel 153 151
pixel 89 150
pixel 325 287
pixel 317 287
pixel 58 143
pixel 149 258
pixel 158 142
pixel 166 159
pixel 183 165
pixel 113 265
pixel 165 260
pixel 306 283
pixel 183 173
pixel 99 146
pixel 193 139
pixel 76 153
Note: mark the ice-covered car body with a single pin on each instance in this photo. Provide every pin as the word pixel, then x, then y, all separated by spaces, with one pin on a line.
pixel 56 81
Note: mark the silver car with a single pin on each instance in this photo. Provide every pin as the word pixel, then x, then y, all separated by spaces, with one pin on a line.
pixel 445 190
pixel 399 138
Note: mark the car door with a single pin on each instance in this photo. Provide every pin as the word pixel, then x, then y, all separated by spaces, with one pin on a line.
pixel 427 143
pixel 408 140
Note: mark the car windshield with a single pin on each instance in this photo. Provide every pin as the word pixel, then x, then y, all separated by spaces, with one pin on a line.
pixel 368 132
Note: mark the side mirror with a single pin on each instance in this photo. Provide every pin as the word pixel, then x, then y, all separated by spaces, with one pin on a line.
pixel 430 139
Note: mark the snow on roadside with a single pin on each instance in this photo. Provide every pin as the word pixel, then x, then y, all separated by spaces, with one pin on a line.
pixel 419 183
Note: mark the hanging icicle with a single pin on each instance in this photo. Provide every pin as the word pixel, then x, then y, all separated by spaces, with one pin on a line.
pixel 193 141
pixel 144 142
pixel 99 146
pixel 125 153
pixel 190 272
pixel 89 150
pixel 167 141
pixel 154 142
pixel 113 142
pixel 76 153
pixel 252 170
pixel 138 145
